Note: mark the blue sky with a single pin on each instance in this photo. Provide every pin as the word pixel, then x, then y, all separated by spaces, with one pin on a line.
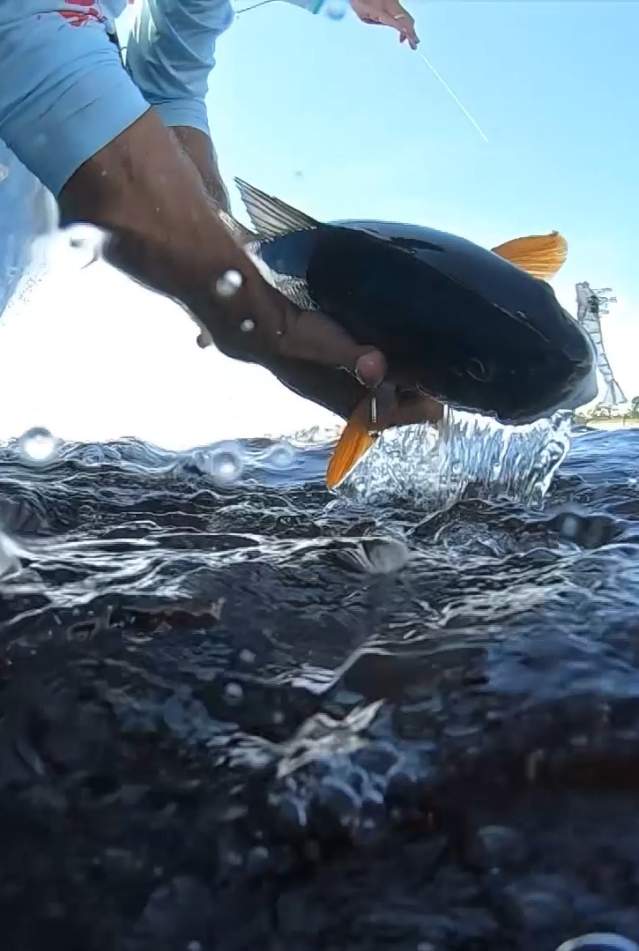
pixel 339 119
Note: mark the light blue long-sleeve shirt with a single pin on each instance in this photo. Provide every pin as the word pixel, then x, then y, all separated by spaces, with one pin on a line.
pixel 64 93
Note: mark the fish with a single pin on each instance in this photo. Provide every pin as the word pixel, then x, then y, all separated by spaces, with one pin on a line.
pixel 477 329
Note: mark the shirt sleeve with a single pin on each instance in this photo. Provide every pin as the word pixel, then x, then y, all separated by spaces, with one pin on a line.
pixel 171 53
pixel 67 97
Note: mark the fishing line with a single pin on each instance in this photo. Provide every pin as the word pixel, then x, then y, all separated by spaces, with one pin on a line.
pixel 422 56
pixel 254 6
pixel 452 94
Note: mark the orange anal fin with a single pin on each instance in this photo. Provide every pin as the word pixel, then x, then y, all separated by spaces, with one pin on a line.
pixel 541 255
pixel 353 443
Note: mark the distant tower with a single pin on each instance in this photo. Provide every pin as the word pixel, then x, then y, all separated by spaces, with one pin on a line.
pixel 591 307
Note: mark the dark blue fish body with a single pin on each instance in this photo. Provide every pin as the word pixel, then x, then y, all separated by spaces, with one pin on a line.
pixel 458 321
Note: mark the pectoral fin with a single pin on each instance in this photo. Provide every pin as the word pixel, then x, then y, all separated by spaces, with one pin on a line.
pixel 539 255
pixel 353 443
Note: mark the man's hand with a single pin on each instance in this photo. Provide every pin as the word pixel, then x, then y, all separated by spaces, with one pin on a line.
pixel 165 232
pixel 280 333
pixel 388 13
pixel 343 395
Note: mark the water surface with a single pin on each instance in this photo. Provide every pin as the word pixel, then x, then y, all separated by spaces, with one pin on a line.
pixel 240 712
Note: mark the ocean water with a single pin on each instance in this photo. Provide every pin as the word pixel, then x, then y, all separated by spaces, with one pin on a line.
pixel 237 711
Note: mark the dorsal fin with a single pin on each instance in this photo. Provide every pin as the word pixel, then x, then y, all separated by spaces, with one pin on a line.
pixel 270 216
pixel 539 254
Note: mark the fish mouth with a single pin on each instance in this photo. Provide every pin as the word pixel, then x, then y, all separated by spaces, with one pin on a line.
pixel 584 379
pixel 568 373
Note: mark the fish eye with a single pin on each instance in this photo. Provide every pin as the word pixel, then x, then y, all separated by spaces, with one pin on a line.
pixel 479 371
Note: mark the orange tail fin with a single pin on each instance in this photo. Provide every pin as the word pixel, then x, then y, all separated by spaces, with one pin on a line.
pixel 353 443
pixel 541 255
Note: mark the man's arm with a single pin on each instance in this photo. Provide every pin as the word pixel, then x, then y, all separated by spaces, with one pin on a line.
pixel 146 193
pixel 170 56
pixel 200 149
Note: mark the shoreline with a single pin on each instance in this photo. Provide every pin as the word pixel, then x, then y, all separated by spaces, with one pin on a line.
pixel 615 422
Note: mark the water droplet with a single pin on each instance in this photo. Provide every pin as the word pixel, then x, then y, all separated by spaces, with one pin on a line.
pixel 229 283
pixel 281 455
pixel 384 555
pixel 247 325
pixel 194 946
pixel 233 694
pixel 226 467
pixel 336 9
pixel 247 656
pixel 4 172
pixel 37 446
pixel 224 463
pixel 599 941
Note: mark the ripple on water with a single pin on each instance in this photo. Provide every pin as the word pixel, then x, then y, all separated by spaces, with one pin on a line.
pixel 412 720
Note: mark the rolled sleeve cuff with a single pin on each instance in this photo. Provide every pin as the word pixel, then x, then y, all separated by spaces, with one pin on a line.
pixel 184 112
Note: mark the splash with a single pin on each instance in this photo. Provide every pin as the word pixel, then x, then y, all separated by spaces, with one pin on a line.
pixel 433 468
